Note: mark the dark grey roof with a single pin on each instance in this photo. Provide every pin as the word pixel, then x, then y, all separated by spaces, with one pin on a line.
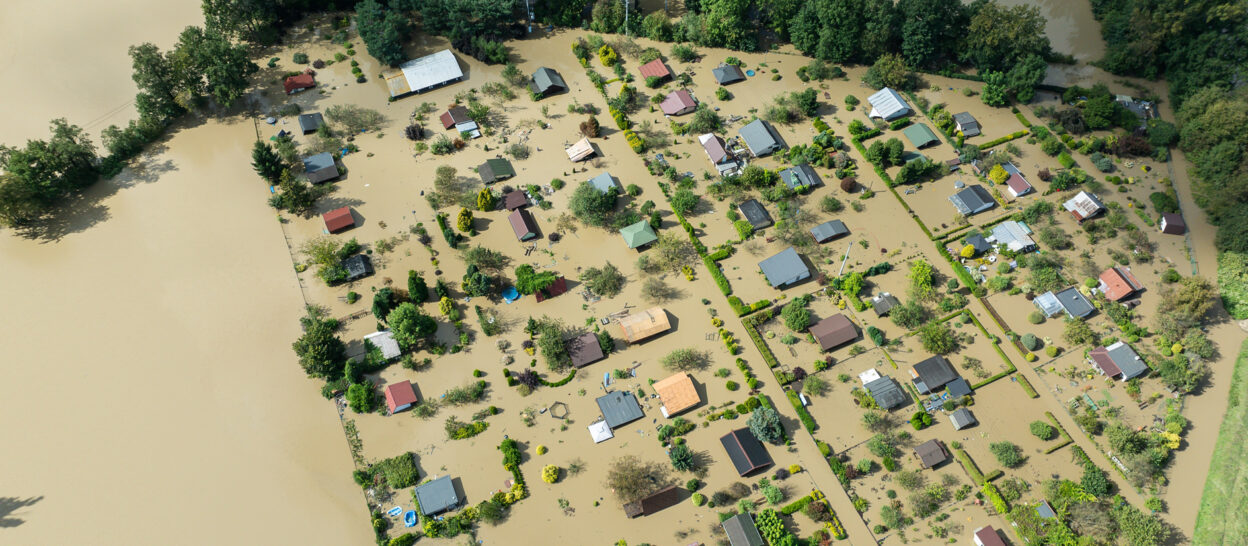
pixel 800 175
pixel 970 126
pixel 978 241
pixel 785 268
pixel 1127 360
pixel 886 392
pixel 829 230
pixel 619 408
pixel 746 452
pixel 546 80
pixel 310 122
pixel 1074 303
pixel 931 453
pixel 727 73
pixel 320 167
pixel 742 531
pixel 495 169
pixel 358 267
pixel 958 388
pixel 884 303
pixel 755 213
pixel 935 372
pixel 962 418
pixel 436 496
pixel 760 137
pixel 973 199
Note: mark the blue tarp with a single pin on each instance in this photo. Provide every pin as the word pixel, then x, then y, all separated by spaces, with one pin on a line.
pixel 510 294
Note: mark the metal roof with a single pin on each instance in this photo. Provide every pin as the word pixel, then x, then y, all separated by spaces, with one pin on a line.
pixel 741 530
pixel 935 372
pixel 1014 235
pixel 714 147
pixel 678 102
pixel 883 303
pixel 961 418
pixel 436 496
pixel 887 104
pixel 958 388
pixel 920 136
pixel 619 408
pixel 385 341
pixel 522 224
pixel 495 169
pixel 638 234
pixel 829 230
pixel 785 268
pixel 1119 358
pixel 745 451
pixel 429 72
pixel 1075 304
pixel 834 331
pixel 545 80
pixel 967 124
pixel 320 167
pixel 338 219
pixel 760 137
pixel 604 182
pixel 973 199
pixel 311 122
pixel 799 176
pixel 755 213
pixel 886 392
pixel 1083 206
pixel 727 73
pixel 358 267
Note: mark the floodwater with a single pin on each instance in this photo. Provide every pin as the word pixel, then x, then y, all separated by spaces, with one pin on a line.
pixel 153 392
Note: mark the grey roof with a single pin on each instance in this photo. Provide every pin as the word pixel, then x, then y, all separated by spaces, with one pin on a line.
pixel 883 303
pixel 958 388
pixel 962 418
pixel 546 80
pixel 886 392
pixel 1014 235
pixel 973 199
pixel 495 169
pixel 785 268
pixel 1075 304
pixel 968 123
pixel 745 451
pixel 935 372
pixel 829 230
pixel 619 408
pixel 320 167
pixel 385 341
pixel 358 267
pixel 727 73
pixel 1045 510
pixel 931 453
pixel 755 213
pixel 436 496
pixel 978 242
pixel 888 104
pixel 800 175
pixel 741 530
pixel 760 137
pixel 1127 360
pixel 604 182
pixel 310 122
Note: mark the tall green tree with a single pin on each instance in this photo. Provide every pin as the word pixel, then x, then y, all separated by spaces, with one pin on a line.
pixel 382 31
pixel 993 93
pixel 40 175
pixel 266 162
pixel 829 29
pixel 1000 37
pixel 881 24
pixel 463 19
pixel 158 82
pixel 930 30
pixel 212 65
pixel 321 353
pixel 252 20
pixel 1022 79
pixel 410 325
pixel 592 206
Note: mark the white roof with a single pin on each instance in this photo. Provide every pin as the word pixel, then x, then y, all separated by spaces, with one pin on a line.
pixel 1084 204
pixel 869 376
pixel 887 104
pixel 1014 235
pixel 469 127
pixel 581 150
pixel 600 432
pixel 385 341
pixel 431 70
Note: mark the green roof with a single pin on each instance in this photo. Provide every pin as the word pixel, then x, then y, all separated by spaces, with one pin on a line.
pixel 639 234
pixel 919 135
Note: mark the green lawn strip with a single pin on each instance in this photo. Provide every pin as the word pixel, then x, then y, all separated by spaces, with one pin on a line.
pixel 1222 518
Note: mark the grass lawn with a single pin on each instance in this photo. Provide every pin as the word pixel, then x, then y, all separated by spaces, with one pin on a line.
pixel 1222 518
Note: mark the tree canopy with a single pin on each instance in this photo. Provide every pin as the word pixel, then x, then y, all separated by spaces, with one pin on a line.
pixel 321 353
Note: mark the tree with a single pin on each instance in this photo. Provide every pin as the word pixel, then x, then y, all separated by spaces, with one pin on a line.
pixel 909 315
pixel 1188 301
pixel 1041 430
pixel 529 281
pixel 815 385
pixel 409 325
pixel 995 88
pixel 362 397
pixel 877 421
pixel 417 290
pixel 1077 332
pixel 1022 78
pixel 685 360
pixel 486 200
pixel 477 283
pixel 266 162
pixel 773 494
pixel 654 290
pixel 938 338
pixel 355 119
pixel 632 479
pixel 38 177
pixel 997 174
pixel 606 281
pixel 321 353
pixel 485 258
pixel 382 31
pixel 159 83
pixel 1094 480
pixel 922 280
pixel 1138 528
pixel 1008 454
pixel 765 425
pixel 209 63
pixel 999 37
pixel 684 201
pixel 249 20
pixel 384 301
pixel 890 70
pixel 682 457
pixel 550 334
pixel 930 30
pixel 796 315
pixel 592 206
pixel 296 195
pixel 491 512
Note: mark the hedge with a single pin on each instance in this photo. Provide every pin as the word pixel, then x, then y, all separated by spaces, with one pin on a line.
pixel 998 502
pixel 1012 136
pixel 968 464
pixel 720 254
pixel 795 506
pixel 1066 439
pixel 718 275
pixel 899 123
pixel 1027 388
pixel 560 382
pixel 768 356
pixel 992 476
pixel 807 420
pixel 1022 119
pixel 741 309
pixel 985 382
pixel 839 469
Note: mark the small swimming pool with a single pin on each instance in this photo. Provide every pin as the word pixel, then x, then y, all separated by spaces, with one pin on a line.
pixel 749 73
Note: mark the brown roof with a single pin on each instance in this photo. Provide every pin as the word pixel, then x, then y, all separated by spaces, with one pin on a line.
pixel 522 223
pixel 677 393
pixel 931 453
pixel 585 350
pixel 655 68
pixel 1173 222
pixel 338 219
pixel 556 288
pixel 663 498
pixel 1100 356
pixel 648 323
pixel 514 200
pixel 1118 283
pixel 400 394
pixel 302 81
pixel 834 331
pixel 989 537
pixel 1018 184
pixel 453 116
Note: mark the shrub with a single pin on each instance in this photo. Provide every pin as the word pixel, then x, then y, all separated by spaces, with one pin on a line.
pixel 1036 317
pixel 722 93
pixel 550 473
pixel 1065 159
pixel 699 499
pixel 1030 342
pixel 1008 454
pixel 1042 430
pixel 732 385
pixel 541 450
pixel 301 58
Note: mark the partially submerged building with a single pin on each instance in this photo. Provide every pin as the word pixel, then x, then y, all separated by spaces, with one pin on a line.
pixel 522 224
pixel 931 453
pixel 888 105
pixel 920 136
pixel 747 454
pixel 932 374
pixel 585 350
pixel 1017 185
pixel 385 342
pixel 761 138
pixel 827 231
pixel 834 331
pixel 725 162
pixel 605 182
pixel 456 117
pixel 972 200
pixel 581 150
pixel 886 392
pixel 436 496
pixel 546 82
pixel 645 324
pixel 495 169
pixel 338 219
pixel 678 103
pixel 1068 301
pixel 663 498
pixel 727 74
pixel 310 123
pixel 515 199
pixel 655 69
pixel 987 536
pixel 639 235
pixel 678 393
pixel 1117 283
pixel 785 269
pixel 297 83
pixel 1172 223
pixel 424 74
pixel 1118 361
pixel 1014 236
pixel 320 168
pixel 619 408
pixel 962 418
pixel 358 266
pixel 741 530
pixel 883 303
pixel 755 213
pixel 799 177
pixel 400 396
pixel 967 124
pixel 1083 206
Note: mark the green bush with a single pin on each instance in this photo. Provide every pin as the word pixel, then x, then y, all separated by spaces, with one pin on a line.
pixel 732 385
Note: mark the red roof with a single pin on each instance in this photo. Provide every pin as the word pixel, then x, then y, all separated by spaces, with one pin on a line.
pixel 400 394
pixel 302 81
pixel 655 68
pixel 1018 184
pixel 338 219
pixel 453 116
pixel 1118 283
pixel 678 102
pixel 556 288
pixel 1100 356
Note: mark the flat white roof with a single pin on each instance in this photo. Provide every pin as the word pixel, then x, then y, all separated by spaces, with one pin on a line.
pixel 869 376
